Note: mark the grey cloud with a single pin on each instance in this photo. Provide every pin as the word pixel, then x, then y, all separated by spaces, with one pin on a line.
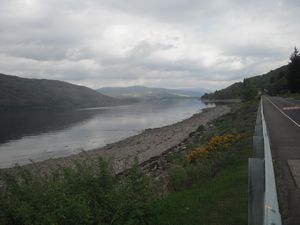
pixel 259 51
pixel 171 11
pixel 182 11
pixel 136 56
pixel 144 49
pixel 34 51
pixel 177 42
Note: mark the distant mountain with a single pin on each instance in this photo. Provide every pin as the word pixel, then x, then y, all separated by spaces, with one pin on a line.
pixel 141 92
pixel 22 92
pixel 273 83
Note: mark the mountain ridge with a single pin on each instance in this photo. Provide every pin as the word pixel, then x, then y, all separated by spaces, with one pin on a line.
pixel 18 92
pixel 143 92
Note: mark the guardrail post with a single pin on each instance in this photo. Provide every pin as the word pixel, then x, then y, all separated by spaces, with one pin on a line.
pixel 258 116
pixel 258 147
pixel 256 191
pixel 258 130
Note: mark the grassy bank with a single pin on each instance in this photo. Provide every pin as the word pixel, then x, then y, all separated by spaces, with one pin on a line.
pixel 84 194
pixel 215 193
pixel 221 199
pixel 208 188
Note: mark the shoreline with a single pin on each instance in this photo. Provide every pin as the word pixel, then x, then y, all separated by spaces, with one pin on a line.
pixel 151 143
pixel 227 101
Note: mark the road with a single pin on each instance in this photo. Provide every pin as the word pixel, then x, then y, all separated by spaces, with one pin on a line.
pixel 283 123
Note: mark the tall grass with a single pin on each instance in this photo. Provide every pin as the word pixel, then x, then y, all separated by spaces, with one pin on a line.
pixel 83 194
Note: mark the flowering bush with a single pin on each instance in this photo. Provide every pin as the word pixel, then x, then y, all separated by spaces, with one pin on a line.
pixel 215 144
pixel 196 153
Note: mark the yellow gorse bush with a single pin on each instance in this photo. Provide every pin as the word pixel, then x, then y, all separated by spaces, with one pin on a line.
pixel 196 153
pixel 215 144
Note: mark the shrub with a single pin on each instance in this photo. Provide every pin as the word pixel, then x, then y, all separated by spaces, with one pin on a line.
pixel 203 162
pixel 215 144
pixel 83 194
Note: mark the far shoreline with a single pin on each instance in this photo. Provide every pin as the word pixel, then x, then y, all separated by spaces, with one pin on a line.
pixel 224 101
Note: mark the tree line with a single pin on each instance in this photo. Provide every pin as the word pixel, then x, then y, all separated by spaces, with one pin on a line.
pixel 283 80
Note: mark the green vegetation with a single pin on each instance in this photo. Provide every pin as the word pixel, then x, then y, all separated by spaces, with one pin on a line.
pixel 209 190
pixel 281 81
pixel 293 73
pixel 85 194
pixel 221 199
pixel 231 92
pixel 273 83
pixel 17 92
pixel 205 190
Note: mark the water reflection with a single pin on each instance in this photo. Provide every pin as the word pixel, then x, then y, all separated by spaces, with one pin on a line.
pixel 41 134
pixel 15 124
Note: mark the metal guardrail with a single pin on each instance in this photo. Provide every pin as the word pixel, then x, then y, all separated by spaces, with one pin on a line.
pixel 263 203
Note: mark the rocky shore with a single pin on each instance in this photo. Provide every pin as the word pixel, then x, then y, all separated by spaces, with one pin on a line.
pixel 149 147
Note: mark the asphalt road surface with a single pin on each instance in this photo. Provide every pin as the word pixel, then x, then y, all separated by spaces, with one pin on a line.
pixel 283 123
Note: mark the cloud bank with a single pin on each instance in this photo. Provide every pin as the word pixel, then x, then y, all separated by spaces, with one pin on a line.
pixel 170 43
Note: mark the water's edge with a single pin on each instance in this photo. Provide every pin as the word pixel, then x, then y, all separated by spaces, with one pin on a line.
pixel 146 145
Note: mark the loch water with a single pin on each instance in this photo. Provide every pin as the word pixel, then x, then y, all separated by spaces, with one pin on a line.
pixel 37 134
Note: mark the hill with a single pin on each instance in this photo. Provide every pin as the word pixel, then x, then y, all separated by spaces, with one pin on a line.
pixel 273 83
pixel 22 92
pixel 141 92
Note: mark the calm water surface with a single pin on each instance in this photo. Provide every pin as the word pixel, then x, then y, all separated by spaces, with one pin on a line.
pixel 41 134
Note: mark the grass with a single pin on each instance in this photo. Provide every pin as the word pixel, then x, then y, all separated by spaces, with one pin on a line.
pixel 218 200
pixel 219 197
pixel 85 194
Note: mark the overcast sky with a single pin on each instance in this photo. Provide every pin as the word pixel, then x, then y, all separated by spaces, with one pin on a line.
pixel 159 43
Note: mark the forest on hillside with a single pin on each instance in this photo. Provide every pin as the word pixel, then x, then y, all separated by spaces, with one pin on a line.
pixel 283 80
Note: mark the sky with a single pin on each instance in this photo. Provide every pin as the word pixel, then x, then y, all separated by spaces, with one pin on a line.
pixel 157 43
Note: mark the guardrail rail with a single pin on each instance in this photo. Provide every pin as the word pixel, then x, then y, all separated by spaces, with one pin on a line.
pixel 263 203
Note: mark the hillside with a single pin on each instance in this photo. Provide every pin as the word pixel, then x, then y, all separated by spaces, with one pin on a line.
pixel 141 92
pixel 22 92
pixel 273 82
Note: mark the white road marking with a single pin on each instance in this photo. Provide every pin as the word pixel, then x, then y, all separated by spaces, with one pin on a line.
pixel 283 113
pixel 291 108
